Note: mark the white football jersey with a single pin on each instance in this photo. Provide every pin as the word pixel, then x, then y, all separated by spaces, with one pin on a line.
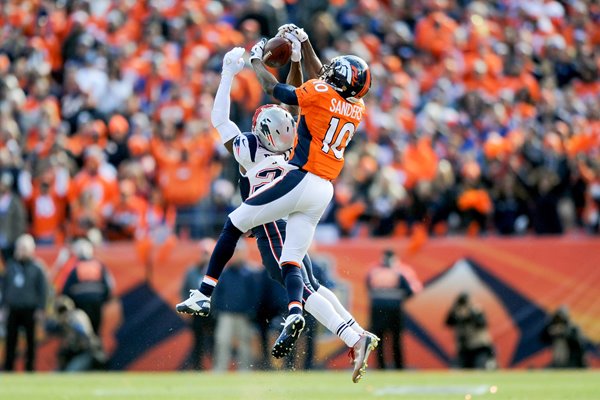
pixel 261 165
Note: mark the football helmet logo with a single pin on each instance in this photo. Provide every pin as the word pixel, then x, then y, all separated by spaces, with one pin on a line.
pixel 349 75
pixel 275 128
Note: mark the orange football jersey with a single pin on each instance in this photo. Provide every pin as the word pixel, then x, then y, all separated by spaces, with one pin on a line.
pixel 327 124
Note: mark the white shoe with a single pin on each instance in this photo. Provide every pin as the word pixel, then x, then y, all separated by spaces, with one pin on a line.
pixel 196 304
pixel 373 336
pixel 360 355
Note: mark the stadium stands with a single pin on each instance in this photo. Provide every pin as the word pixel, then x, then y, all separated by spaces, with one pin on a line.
pixel 484 117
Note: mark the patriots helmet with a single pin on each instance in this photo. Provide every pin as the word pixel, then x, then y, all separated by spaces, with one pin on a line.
pixel 349 75
pixel 275 128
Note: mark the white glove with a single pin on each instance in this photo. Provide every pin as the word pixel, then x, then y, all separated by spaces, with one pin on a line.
pixel 257 50
pixel 286 28
pixel 294 30
pixel 233 61
pixel 296 47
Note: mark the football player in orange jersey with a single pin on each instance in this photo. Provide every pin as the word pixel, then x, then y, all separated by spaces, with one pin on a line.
pixel 330 111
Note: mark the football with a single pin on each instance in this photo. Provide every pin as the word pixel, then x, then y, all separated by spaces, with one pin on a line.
pixel 277 52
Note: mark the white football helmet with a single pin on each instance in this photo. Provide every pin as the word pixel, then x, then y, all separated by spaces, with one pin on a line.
pixel 275 128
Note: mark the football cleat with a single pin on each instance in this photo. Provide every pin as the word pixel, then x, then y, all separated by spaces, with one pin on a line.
pixel 359 354
pixel 373 336
pixel 196 304
pixel 292 327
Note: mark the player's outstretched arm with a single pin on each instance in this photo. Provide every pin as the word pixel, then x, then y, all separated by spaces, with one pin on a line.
pixel 266 79
pixel 281 91
pixel 219 116
pixel 294 77
pixel 312 64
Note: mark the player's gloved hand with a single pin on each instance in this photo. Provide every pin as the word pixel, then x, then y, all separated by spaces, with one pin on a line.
pixel 257 50
pixel 294 30
pixel 285 28
pixel 296 47
pixel 233 61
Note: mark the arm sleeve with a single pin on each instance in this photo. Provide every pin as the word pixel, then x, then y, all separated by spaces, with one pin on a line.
pixel 286 94
pixel 219 115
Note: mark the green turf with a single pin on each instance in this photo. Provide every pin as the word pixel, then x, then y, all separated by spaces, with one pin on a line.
pixel 526 385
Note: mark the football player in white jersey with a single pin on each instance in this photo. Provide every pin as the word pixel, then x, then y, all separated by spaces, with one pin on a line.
pixel 262 156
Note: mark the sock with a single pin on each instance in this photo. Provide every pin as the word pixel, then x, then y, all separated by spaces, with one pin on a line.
pixel 223 252
pixel 323 311
pixel 208 285
pixel 339 308
pixel 292 277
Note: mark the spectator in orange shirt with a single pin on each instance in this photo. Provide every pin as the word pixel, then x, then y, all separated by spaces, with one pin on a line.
pixel 45 197
pixel 435 32
pixel 98 180
pixel 85 216
pixel 127 216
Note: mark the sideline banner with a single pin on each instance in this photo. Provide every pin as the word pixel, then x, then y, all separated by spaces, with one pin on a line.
pixel 518 282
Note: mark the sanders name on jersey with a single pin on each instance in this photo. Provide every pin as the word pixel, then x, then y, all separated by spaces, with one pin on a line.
pixel 346 109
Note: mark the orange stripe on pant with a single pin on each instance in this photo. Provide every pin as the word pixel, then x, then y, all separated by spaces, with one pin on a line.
pixel 292 263
pixel 294 304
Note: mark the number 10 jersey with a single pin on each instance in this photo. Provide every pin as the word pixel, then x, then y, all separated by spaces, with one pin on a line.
pixel 327 124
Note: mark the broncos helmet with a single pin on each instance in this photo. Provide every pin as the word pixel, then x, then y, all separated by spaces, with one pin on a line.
pixel 275 128
pixel 349 75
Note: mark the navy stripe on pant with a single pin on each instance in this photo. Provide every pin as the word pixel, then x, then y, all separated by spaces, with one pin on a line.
pixel 282 187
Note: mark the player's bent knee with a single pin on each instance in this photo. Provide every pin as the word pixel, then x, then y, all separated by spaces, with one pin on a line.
pixel 231 229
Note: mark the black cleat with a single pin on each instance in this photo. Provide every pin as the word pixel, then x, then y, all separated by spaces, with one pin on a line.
pixel 293 326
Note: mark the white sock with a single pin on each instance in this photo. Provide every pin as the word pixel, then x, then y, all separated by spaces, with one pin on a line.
pixel 323 311
pixel 339 308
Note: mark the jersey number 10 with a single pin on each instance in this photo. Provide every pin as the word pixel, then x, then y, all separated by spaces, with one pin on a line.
pixel 337 137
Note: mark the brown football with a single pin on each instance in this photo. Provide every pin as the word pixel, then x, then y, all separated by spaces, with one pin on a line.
pixel 277 52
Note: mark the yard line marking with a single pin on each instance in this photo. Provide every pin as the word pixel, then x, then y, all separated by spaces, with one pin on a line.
pixel 429 389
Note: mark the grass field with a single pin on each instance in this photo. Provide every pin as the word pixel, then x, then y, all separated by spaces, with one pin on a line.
pixel 526 385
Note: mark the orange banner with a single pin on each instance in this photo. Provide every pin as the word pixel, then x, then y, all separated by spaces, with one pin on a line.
pixel 518 282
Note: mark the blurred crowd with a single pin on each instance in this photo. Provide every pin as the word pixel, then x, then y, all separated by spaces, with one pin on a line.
pixel 484 116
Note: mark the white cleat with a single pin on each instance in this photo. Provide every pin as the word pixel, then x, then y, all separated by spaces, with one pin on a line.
pixel 373 336
pixel 196 304
pixel 360 355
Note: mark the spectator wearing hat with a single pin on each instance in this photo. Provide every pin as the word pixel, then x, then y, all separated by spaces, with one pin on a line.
pixel 24 295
